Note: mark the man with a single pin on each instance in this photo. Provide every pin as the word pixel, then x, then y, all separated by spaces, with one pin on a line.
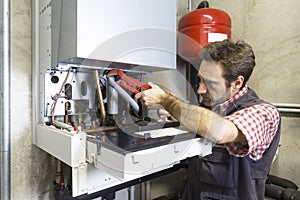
pixel 245 128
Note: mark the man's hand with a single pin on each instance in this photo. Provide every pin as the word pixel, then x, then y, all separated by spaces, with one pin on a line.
pixel 163 113
pixel 151 97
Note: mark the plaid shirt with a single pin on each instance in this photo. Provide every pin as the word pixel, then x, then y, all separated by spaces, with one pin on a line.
pixel 258 123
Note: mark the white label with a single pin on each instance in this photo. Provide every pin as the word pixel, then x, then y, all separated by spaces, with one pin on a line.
pixel 163 132
pixel 213 37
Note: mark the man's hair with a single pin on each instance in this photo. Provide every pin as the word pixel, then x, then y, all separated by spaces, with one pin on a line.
pixel 237 59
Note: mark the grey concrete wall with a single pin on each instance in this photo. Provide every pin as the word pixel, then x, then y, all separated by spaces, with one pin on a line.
pixel 270 26
pixel 31 168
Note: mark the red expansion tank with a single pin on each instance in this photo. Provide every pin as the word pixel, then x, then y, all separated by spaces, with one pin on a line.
pixel 199 28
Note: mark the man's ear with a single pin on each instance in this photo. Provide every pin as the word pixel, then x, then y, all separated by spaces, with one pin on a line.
pixel 238 83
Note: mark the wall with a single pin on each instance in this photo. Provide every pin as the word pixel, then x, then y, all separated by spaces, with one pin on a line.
pixel 271 27
pixel 31 168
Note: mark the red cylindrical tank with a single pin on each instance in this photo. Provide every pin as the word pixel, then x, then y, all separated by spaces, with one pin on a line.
pixel 199 28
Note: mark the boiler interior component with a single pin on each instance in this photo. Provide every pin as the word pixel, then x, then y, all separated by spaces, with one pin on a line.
pixel 84 97
pixel 199 28
pixel 112 100
pixel 124 94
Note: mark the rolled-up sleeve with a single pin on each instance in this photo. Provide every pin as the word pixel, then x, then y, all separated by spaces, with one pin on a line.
pixel 259 124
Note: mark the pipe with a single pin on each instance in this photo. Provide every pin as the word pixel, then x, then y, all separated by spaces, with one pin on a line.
pixel 189 5
pixel 58 96
pixel 112 100
pixel 103 129
pixel 131 190
pixel 63 125
pixel 100 97
pixel 5 103
pixel 145 190
pixel 123 94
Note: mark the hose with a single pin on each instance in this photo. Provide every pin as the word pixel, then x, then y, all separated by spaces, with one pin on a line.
pixel 124 94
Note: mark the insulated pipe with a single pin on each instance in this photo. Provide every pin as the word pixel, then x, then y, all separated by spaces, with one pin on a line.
pixel 5 103
pixel 123 94
pixel 112 100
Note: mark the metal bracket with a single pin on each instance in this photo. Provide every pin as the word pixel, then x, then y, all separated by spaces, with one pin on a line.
pixel 98 149
pixel 133 160
pixel 175 149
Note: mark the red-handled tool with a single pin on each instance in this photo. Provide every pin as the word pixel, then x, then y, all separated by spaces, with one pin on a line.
pixel 127 82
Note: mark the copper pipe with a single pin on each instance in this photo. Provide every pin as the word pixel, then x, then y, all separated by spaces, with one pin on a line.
pixel 58 95
pixel 100 98
pixel 112 128
pixel 67 107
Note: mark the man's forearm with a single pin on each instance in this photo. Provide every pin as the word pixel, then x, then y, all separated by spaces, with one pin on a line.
pixel 200 120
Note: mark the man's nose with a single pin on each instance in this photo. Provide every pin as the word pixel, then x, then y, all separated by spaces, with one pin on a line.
pixel 202 89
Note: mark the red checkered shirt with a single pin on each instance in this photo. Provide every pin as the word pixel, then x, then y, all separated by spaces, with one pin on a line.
pixel 258 123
